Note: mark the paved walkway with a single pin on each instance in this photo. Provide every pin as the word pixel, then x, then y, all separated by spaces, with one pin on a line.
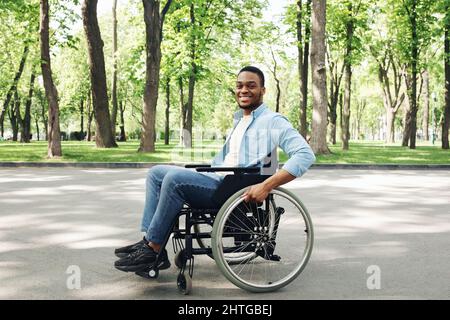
pixel 396 222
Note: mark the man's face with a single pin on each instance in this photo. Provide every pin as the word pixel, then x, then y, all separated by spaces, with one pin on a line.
pixel 249 92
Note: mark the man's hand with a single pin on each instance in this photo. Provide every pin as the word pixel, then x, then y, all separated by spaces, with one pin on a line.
pixel 256 193
pixel 260 191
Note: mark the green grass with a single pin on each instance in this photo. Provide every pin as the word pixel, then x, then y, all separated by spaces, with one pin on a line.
pixel 360 152
pixel 380 153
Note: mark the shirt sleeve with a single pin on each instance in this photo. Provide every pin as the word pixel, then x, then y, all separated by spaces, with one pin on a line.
pixel 300 154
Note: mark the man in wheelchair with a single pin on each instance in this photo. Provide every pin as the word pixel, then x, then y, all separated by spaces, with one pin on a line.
pixel 251 146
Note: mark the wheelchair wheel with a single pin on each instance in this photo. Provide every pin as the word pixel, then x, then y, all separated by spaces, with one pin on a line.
pixel 275 236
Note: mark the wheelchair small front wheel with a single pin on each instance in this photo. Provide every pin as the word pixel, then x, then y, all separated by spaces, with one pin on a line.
pixel 276 235
pixel 184 283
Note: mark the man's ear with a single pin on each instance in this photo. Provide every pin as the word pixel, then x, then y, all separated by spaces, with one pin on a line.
pixel 263 90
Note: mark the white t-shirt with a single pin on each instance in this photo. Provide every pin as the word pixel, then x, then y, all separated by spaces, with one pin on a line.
pixel 232 157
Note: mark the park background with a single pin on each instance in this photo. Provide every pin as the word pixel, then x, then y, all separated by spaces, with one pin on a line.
pixel 386 100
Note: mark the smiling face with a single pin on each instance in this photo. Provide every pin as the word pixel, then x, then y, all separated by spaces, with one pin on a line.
pixel 249 92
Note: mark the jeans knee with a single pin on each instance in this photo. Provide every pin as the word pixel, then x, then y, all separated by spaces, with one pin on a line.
pixel 172 178
pixel 156 172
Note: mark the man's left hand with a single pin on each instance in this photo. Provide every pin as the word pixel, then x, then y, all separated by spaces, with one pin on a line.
pixel 256 193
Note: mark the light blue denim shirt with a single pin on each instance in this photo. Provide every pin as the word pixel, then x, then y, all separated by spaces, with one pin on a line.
pixel 267 131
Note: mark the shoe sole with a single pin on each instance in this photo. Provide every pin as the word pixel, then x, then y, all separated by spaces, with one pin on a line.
pixel 144 267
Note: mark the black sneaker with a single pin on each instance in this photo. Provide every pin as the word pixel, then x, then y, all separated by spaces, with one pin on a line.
pixel 141 259
pixel 124 251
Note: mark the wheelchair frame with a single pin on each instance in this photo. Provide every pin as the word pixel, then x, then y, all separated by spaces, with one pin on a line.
pixel 184 253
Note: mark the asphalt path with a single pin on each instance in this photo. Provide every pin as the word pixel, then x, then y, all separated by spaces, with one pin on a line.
pixel 379 234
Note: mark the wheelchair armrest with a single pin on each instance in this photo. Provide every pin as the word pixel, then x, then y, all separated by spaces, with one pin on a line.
pixel 235 170
pixel 197 166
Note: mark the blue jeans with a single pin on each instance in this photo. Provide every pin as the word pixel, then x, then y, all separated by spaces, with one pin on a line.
pixel 167 189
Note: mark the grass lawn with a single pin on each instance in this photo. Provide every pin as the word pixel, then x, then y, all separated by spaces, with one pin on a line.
pixel 75 151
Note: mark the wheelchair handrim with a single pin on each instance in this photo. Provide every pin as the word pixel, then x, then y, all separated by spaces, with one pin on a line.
pixel 217 244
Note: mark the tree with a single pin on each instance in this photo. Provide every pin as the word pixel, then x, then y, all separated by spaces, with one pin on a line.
pixel 319 119
pixel 114 75
pixel 26 122
pixel 349 26
pixel 413 22
pixel 390 76
pixel 53 131
pixel 446 119
pixel 13 87
pixel 154 21
pixel 303 33
pixel 103 136
pixel 199 25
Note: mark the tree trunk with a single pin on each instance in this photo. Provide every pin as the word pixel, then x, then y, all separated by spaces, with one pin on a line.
pixel 413 91
pixel 407 115
pixel 335 85
pixel 303 64
pixel 167 127
pixel 183 109
pixel 277 81
pixel 122 122
pixel 90 115
pixel 426 105
pixel 36 121
pixel 19 120
pixel 13 88
pixel 14 116
pixel 187 129
pixel 319 119
pixel 345 128
pixel 348 80
pixel 27 116
pixel 306 68
pixel 114 77
pixel 446 119
pixel 103 135
pixel 43 114
pixel 153 31
pixel 82 118
pixel 300 45
pixel 390 125
pixel 53 131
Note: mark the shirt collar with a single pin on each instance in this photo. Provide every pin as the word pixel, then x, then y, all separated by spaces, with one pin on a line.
pixel 255 113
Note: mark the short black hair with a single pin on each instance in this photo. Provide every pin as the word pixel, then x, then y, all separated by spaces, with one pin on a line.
pixel 254 70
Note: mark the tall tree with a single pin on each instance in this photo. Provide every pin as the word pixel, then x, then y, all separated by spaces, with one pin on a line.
pixel 390 76
pixel 303 59
pixel 154 21
pixel 319 78
pixel 345 130
pixel 446 119
pixel 26 136
pixel 412 88
pixel 167 122
pixel 413 23
pixel 114 73
pixel 53 130
pixel 426 104
pixel 103 135
pixel 13 87
pixel 336 74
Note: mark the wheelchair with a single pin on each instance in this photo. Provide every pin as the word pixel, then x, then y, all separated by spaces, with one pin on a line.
pixel 259 247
